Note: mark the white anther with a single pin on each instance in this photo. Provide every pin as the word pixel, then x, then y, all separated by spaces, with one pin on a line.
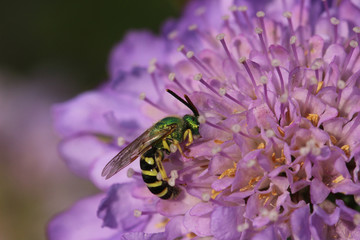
pixel 317 64
pixel 220 36
pixel 180 48
pixel 222 91
pixel 341 84
pixel 130 173
pixel 120 141
pixel 242 59
pixel 258 30
pixel 172 35
pixel 215 150
pixel 137 213
pixel 264 212
pixel 260 14
pixel 225 17
pixel 334 21
pixel 235 128
pixel 284 98
pixel 293 40
pixel 198 76
pixel 315 151
pixel 233 8
pixel 313 80
pixel 171 76
pixel 353 44
pixel 242 227
pixel 304 151
pixel 152 61
pixel 275 62
pixel 151 68
pixel 205 197
pixel 173 148
pixel 171 182
pixel 200 11
pixel 356 29
pixel 357 199
pixel 242 8
pixel 192 27
pixel 250 163
pixel 357 219
pixel 287 14
pixel 270 133
pixel 174 174
pixel 142 96
pixel 158 176
pixel 190 54
pixel 273 215
pixel 264 79
pixel 311 143
pixel 201 119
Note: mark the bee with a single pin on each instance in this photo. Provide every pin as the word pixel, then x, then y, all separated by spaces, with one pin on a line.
pixel 162 138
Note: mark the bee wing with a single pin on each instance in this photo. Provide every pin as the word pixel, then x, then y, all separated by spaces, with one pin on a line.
pixel 132 151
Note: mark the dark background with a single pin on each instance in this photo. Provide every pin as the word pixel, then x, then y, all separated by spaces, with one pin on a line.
pixel 50 51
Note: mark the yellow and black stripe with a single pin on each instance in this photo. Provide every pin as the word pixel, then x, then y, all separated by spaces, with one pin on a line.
pixel 150 170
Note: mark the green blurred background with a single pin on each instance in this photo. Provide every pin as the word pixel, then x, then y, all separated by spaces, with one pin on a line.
pixel 49 52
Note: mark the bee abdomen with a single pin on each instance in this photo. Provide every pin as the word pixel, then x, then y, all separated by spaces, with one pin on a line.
pixel 149 172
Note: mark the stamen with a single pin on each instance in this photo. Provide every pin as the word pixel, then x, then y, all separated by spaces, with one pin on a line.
pixel 222 92
pixel 293 48
pixel 191 56
pixel 130 173
pixel 158 176
pixel 201 119
pixel 261 15
pixel 269 133
pixel 284 98
pixel 173 35
pixel 215 150
pixel 243 10
pixel 233 9
pixel 121 141
pixel 264 81
pixel 353 44
pixel 198 77
pixel 326 6
pixel 205 197
pixel 276 63
pixel 341 84
pixel 243 61
pixel 172 78
pixel 220 37
pixel 244 226
pixel 288 15
pixel 334 21
pixel 259 32
pixel 236 128
pixel 357 31
pixel 143 97
pixel 317 64
pixel 173 148
pixel 250 163
pixel 225 18
pixel 137 213
pixel 356 219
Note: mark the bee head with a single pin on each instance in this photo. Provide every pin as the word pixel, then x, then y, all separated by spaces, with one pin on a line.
pixel 192 123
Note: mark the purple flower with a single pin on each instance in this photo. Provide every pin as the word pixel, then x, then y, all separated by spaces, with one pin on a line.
pixel 277 87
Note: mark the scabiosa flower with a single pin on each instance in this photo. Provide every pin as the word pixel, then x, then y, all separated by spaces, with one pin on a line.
pixel 277 87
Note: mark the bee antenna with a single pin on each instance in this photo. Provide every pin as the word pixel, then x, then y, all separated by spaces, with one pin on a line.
pixel 187 103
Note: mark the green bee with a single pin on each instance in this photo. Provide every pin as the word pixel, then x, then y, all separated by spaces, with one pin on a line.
pixel 163 137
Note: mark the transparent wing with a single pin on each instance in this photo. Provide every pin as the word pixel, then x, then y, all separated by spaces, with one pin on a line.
pixel 132 151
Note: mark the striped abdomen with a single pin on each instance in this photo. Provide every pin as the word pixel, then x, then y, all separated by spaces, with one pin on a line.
pixel 150 171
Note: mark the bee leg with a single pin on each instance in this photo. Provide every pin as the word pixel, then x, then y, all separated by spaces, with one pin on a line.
pixel 159 156
pixel 177 145
pixel 189 135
